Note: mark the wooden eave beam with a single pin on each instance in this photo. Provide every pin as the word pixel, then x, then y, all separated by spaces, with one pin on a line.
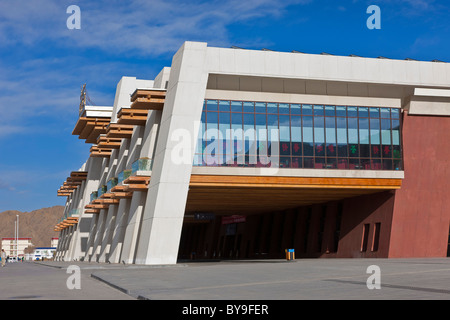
pixel 136 187
pixel 78 175
pixel 96 206
pixel 82 122
pixel 68 188
pixel 137 179
pixel 109 145
pixel 96 211
pixel 72 183
pixel 137 121
pixel 148 104
pixel 119 134
pixel 96 131
pixel 66 191
pixel 79 126
pixel 118 189
pixel 116 130
pixel 107 195
pixel 132 116
pixel 122 195
pixel 139 93
pixel 100 154
pixel 132 113
pixel 87 130
pixel 117 126
pixel 108 201
pixel 104 138
pixel 293 182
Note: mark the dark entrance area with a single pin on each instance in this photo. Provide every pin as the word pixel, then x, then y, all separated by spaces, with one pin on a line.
pixel 260 216
pixel 352 227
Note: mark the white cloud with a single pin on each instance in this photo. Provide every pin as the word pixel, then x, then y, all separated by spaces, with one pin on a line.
pixel 134 27
pixel 49 84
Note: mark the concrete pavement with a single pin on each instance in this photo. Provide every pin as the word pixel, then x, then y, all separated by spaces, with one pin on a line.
pixel 33 281
pixel 308 279
pixel 303 279
pixel 281 280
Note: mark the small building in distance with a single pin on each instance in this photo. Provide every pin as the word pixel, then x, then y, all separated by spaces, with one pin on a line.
pixel 15 249
pixel 41 253
pixel 54 242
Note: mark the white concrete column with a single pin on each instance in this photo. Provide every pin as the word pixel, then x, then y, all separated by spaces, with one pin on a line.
pixel 74 234
pixel 96 225
pixel 107 234
pixel 119 230
pixel 137 202
pixel 122 210
pixel 67 243
pixel 75 245
pixel 62 235
pixel 105 238
pixel 59 248
pixel 91 237
pixel 124 89
pixel 132 228
pixel 99 234
pixel 93 167
pixel 70 249
pixel 169 184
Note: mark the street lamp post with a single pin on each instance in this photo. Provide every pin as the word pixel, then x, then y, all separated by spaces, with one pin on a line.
pixel 15 237
pixel 17 243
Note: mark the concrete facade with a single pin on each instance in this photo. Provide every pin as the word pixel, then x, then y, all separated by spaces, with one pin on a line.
pixel 147 218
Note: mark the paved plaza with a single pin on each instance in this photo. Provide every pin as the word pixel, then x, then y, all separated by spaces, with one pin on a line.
pixel 302 279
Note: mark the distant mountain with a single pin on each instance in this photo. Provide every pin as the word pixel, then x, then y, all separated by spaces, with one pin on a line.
pixel 37 225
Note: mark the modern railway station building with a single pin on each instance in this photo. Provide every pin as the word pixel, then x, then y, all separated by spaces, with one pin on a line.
pixel 241 154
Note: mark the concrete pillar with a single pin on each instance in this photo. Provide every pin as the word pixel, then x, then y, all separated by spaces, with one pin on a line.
pixel 132 227
pixel 124 89
pixel 74 237
pixel 58 246
pixel 91 237
pixel 68 242
pixel 107 235
pixel 105 240
pixel 70 249
pixel 122 210
pixel 97 232
pixel 93 167
pixel 119 231
pixel 75 242
pixel 62 235
pixel 167 193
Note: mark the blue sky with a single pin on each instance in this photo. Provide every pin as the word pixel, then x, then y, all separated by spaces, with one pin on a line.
pixel 43 64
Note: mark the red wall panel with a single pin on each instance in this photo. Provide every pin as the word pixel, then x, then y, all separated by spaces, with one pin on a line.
pixel 421 218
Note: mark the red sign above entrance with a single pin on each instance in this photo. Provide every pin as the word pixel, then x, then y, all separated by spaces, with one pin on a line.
pixel 233 219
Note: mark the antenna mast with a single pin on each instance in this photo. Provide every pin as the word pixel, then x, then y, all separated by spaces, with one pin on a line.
pixel 82 98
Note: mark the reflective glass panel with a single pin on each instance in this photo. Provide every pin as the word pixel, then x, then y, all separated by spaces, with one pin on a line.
pixel 262 134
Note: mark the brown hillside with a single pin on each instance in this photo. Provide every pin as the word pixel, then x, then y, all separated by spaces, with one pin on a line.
pixel 37 225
